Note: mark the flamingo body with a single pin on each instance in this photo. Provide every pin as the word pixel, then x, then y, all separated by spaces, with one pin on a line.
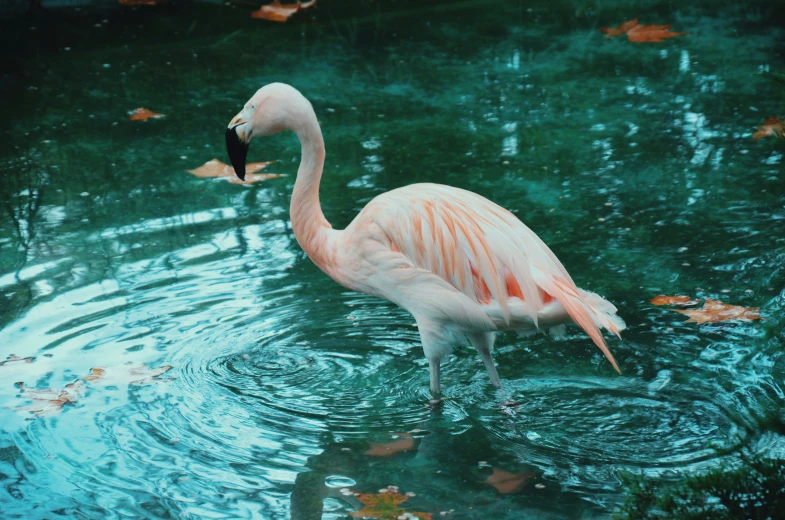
pixel 460 264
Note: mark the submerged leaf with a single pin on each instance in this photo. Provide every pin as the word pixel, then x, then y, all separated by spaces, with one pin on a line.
pixel 143 114
pixel 715 310
pixel 771 126
pixel 641 33
pixel 507 483
pixel 387 449
pixel 277 12
pixel 219 170
pixel 386 505
pixel 673 300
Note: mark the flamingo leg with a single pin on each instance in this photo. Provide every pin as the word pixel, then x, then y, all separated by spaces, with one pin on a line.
pixel 483 342
pixel 436 389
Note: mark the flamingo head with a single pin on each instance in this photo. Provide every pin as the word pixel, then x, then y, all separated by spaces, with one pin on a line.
pixel 271 110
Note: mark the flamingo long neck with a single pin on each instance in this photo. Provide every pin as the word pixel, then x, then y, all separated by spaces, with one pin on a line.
pixel 311 229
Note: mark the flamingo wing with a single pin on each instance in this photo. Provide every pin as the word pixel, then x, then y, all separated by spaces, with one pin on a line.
pixel 487 254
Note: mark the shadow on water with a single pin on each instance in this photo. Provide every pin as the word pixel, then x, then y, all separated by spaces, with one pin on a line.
pixel 635 163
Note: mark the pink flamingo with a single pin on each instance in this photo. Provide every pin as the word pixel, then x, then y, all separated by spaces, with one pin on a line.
pixel 460 264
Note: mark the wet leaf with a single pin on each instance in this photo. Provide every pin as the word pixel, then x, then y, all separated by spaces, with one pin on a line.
pixel 715 310
pixel 143 114
pixel 673 300
pixel 641 33
pixel 95 374
pixel 16 359
pixel 611 32
pixel 277 12
pixel 507 483
pixel 387 449
pixel 771 126
pixel 219 170
pixel 386 505
pixel 49 401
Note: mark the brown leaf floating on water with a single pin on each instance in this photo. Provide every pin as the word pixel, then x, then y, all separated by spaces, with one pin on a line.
pixel 771 126
pixel 95 374
pixel 673 300
pixel 219 170
pixel 275 11
pixel 50 401
pixel 16 359
pixel 711 311
pixel 143 114
pixel 641 33
pixel 715 310
pixel 387 449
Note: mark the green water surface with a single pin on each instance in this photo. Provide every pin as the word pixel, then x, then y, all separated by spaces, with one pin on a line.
pixel 634 162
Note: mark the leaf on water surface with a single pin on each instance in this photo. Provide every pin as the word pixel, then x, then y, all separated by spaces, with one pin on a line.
pixel 143 114
pixel 219 170
pixel 49 401
pixel 386 505
pixel 641 33
pixel 715 310
pixel 277 12
pixel 388 449
pixel 507 483
pixel 712 310
pixel 611 32
pixel 15 359
pixel 95 374
pixel 673 300
pixel 771 126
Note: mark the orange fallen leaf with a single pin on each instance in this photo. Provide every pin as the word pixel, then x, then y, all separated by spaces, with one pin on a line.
pixel 771 126
pixel 387 449
pixel 15 359
pixel 641 33
pixel 95 374
pixel 611 32
pixel 715 310
pixel 143 114
pixel 673 300
pixel 216 169
pixel 386 505
pixel 277 12
pixel 507 483
pixel 50 401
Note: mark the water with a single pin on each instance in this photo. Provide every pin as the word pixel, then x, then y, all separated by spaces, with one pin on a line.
pixel 635 163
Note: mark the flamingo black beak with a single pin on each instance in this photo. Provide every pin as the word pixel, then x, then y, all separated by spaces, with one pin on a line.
pixel 237 149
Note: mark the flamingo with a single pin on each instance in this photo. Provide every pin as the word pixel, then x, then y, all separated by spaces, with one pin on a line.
pixel 463 266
